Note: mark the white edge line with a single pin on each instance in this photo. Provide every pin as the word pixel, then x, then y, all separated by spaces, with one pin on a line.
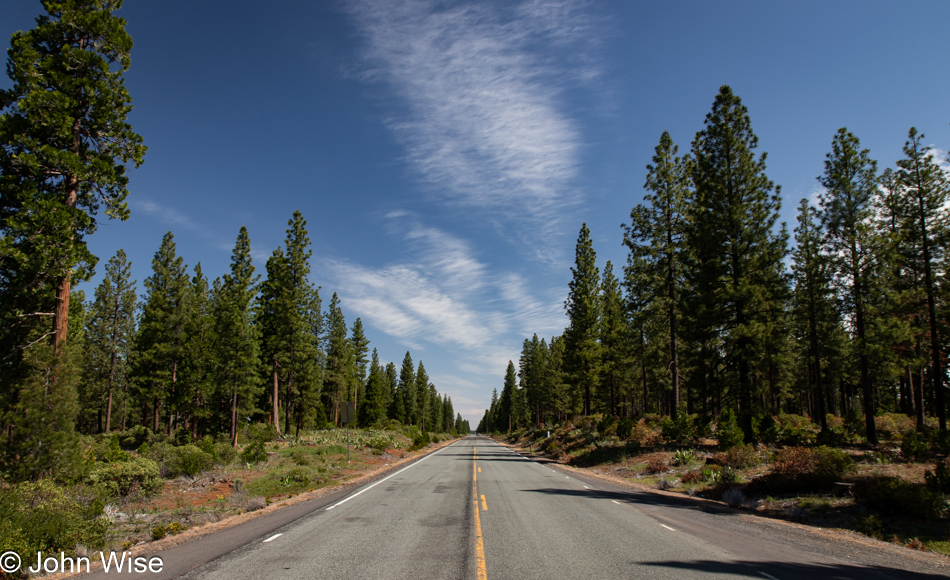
pixel 769 576
pixel 668 527
pixel 616 502
pixel 365 489
pixel 272 538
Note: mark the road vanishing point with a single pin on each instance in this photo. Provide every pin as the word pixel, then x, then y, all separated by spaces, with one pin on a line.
pixel 476 510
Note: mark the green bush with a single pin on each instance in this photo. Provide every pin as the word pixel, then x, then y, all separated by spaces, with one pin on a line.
pixel 683 457
pixel 939 479
pixel 380 443
pixel 624 428
pixel 680 430
pixel 796 430
pixel 912 448
pixel 47 517
pixel 896 497
pixel 134 437
pixel 122 478
pixel 189 460
pixel 224 452
pixel 728 432
pixel 206 444
pixel 254 453
pixel 768 430
pixel 419 441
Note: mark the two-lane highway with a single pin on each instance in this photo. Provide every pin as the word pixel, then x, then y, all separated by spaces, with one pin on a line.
pixel 476 510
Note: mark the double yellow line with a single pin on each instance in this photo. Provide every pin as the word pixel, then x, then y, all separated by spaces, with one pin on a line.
pixel 479 542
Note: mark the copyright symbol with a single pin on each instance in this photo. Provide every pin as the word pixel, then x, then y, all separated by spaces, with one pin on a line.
pixel 10 562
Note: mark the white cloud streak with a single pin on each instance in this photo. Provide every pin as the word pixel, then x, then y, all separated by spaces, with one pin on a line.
pixel 445 296
pixel 482 84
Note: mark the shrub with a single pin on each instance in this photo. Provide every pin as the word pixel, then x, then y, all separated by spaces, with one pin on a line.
pixel 679 430
pixel 683 457
pixel 624 428
pixel 768 430
pixel 225 452
pixel 797 430
pixel 692 476
pixel 939 479
pixel 728 432
pixel 206 444
pixel 725 476
pixel 656 464
pixel 254 453
pixel 894 496
pixel 189 460
pixel 419 441
pixel 114 452
pixel 138 475
pixel 912 448
pixel 803 469
pixel 47 517
pixel 299 456
pixel 134 437
pixel 738 457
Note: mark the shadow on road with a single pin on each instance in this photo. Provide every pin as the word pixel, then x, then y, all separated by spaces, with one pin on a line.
pixel 792 571
pixel 635 497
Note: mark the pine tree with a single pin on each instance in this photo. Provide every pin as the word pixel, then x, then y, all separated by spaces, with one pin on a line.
pixel 109 330
pixel 405 392
pixel 373 409
pixel 582 349
pixel 238 337
pixel 926 187
pixel 198 360
pixel 289 343
pixel 614 338
pixel 736 251
pixel 64 147
pixel 657 234
pixel 813 294
pixel 846 211
pixel 159 344
pixel 340 371
pixel 392 400
pixel 421 390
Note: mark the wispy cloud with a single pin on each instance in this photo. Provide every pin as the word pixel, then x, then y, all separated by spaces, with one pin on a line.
pixel 446 297
pixel 483 85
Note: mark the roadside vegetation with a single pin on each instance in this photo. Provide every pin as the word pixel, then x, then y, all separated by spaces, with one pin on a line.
pixel 897 490
pixel 137 486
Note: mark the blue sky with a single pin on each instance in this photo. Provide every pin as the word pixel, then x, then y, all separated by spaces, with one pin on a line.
pixel 445 153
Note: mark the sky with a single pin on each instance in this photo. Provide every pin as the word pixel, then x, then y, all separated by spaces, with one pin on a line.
pixel 446 153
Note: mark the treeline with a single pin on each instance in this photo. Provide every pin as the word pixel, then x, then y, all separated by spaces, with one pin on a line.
pixel 710 315
pixel 196 357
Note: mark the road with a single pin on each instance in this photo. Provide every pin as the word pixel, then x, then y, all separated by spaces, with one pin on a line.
pixel 476 510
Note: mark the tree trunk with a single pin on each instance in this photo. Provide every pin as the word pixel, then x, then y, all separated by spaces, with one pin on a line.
pixel 275 414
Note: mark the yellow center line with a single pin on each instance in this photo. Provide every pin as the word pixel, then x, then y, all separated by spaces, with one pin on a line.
pixel 479 542
pixel 484 504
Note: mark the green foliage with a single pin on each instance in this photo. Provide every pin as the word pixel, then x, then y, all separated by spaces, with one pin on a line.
pixel 47 517
pixel 768 430
pixel 254 453
pixel 912 448
pixel 624 428
pixel 939 479
pixel 683 457
pixel 728 432
pixel 420 440
pixel 680 430
pixel 893 496
pixel 123 478
pixel 582 346
pixel 190 460
pixel 42 438
pixel 803 469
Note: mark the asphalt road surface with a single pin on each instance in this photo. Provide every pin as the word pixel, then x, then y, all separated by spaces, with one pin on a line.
pixel 475 510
